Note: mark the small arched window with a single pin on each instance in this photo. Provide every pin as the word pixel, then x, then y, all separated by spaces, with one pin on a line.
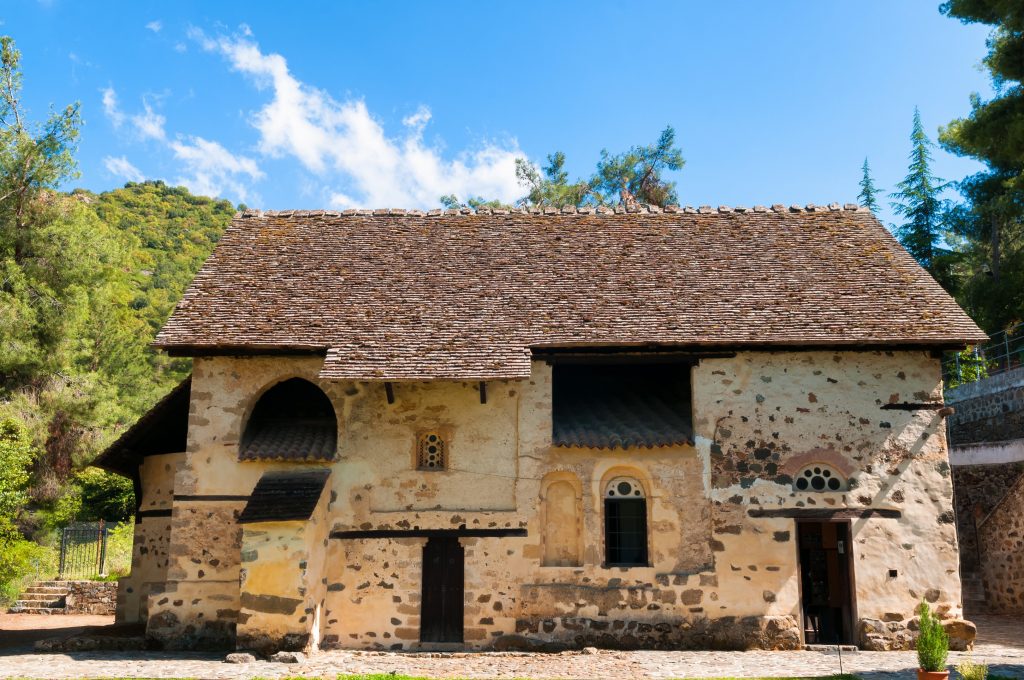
pixel 625 523
pixel 819 477
pixel 293 420
pixel 431 452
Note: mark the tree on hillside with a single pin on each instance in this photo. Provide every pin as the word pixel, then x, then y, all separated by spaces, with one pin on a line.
pixel 868 191
pixel 991 222
pixel 916 199
pixel 636 176
pixel 550 186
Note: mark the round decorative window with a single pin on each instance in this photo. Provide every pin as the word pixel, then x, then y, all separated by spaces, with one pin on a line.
pixel 819 477
pixel 624 487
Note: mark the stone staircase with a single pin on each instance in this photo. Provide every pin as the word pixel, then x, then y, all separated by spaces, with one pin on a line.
pixel 973 592
pixel 42 597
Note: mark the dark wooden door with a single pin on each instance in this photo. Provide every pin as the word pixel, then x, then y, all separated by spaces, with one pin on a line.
pixel 441 609
pixel 826 588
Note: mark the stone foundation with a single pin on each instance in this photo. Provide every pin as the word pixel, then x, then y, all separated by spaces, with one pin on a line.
pixel 875 635
pixel 727 633
pixel 91 597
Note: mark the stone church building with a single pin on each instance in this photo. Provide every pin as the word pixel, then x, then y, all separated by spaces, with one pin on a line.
pixel 540 429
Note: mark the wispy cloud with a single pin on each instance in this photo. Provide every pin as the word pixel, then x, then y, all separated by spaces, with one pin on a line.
pixel 212 170
pixel 149 124
pixel 348 148
pixel 111 108
pixel 206 167
pixel 122 167
pixel 156 25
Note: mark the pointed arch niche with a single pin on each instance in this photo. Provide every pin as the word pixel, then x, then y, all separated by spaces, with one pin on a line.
pixel 562 520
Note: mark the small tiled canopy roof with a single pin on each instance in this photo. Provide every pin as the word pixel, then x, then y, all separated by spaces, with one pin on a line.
pixel 407 295
pixel 285 496
pixel 163 429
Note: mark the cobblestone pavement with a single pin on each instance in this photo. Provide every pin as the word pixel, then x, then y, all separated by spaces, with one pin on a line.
pixel 1001 644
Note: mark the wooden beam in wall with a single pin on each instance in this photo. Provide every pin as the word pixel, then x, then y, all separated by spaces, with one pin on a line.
pixel 429 533
pixel 825 513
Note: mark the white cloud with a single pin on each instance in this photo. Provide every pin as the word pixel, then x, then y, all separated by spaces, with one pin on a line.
pixel 149 124
pixel 212 169
pixel 122 167
pixel 156 25
pixel 343 143
pixel 110 107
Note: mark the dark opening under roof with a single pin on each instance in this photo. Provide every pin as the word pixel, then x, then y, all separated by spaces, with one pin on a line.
pixel 293 420
pixel 285 496
pixel 621 406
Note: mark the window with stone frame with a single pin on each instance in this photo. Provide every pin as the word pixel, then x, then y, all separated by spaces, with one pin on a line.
pixel 625 523
pixel 431 452
pixel 819 477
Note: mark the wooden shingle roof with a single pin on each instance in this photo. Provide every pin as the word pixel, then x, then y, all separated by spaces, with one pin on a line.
pixel 408 295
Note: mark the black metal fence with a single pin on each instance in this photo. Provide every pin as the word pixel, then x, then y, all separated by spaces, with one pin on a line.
pixel 83 550
pixel 1003 351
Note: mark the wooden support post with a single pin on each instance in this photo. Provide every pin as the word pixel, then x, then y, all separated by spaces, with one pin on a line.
pixel 390 391
pixel 483 392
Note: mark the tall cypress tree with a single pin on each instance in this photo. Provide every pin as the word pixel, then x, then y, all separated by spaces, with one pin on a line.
pixel 916 199
pixel 868 191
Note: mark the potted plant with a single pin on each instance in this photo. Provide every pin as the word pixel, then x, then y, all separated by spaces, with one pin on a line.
pixel 932 646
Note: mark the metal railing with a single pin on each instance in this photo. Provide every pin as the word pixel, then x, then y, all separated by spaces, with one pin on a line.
pixel 1003 351
pixel 83 550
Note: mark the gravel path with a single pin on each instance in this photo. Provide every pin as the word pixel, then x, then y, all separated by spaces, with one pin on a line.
pixel 1001 644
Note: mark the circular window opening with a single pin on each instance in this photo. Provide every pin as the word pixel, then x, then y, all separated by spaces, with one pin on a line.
pixel 819 478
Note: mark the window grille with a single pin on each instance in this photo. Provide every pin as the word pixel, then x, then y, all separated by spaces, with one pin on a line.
pixel 625 523
pixel 819 477
pixel 431 452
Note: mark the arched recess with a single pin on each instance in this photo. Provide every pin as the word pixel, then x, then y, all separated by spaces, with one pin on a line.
pixel 562 499
pixel 293 420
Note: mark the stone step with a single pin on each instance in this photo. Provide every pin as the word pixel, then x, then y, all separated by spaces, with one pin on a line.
pixel 35 602
pixel 37 610
pixel 45 590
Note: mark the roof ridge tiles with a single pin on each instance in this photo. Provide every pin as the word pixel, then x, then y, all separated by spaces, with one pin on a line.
pixel 546 211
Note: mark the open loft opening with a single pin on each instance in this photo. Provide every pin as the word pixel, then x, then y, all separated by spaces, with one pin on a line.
pixel 293 420
pixel 607 406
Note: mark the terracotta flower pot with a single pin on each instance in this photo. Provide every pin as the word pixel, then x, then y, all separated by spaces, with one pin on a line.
pixel 932 675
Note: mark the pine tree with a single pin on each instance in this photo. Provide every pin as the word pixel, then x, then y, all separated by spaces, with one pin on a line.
pixel 917 201
pixel 868 191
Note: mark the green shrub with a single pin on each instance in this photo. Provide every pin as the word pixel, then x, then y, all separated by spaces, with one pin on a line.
pixel 932 641
pixel 119 550
pixel 21 561
pixel 969 670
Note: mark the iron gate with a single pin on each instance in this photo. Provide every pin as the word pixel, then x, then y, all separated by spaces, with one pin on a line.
pixel 83 550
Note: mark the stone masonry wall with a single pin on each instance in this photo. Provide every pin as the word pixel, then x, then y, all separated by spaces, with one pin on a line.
pixel 976 490
pixel 718 574
pixel 989 410
pixel 1001 538
pixel 91 597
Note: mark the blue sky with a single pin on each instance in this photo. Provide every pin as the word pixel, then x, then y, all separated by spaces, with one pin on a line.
pixel 392 104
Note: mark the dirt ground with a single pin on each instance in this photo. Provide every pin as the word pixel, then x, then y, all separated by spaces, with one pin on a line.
pixel 20 631
pixel 1000 644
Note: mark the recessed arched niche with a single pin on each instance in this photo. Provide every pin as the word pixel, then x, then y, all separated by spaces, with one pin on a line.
pixel 562 500
pixel 293 420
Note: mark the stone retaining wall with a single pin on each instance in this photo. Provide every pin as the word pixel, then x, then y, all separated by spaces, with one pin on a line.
pixel 1001 537
pixel 976 490
pixel 989 410
pixel 91 597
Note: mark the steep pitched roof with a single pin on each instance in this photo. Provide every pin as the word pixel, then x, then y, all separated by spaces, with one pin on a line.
pixel 162 429
pixel 407 295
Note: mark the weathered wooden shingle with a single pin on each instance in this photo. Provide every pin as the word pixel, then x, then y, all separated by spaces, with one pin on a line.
pixel 412 296
pixel 285 496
